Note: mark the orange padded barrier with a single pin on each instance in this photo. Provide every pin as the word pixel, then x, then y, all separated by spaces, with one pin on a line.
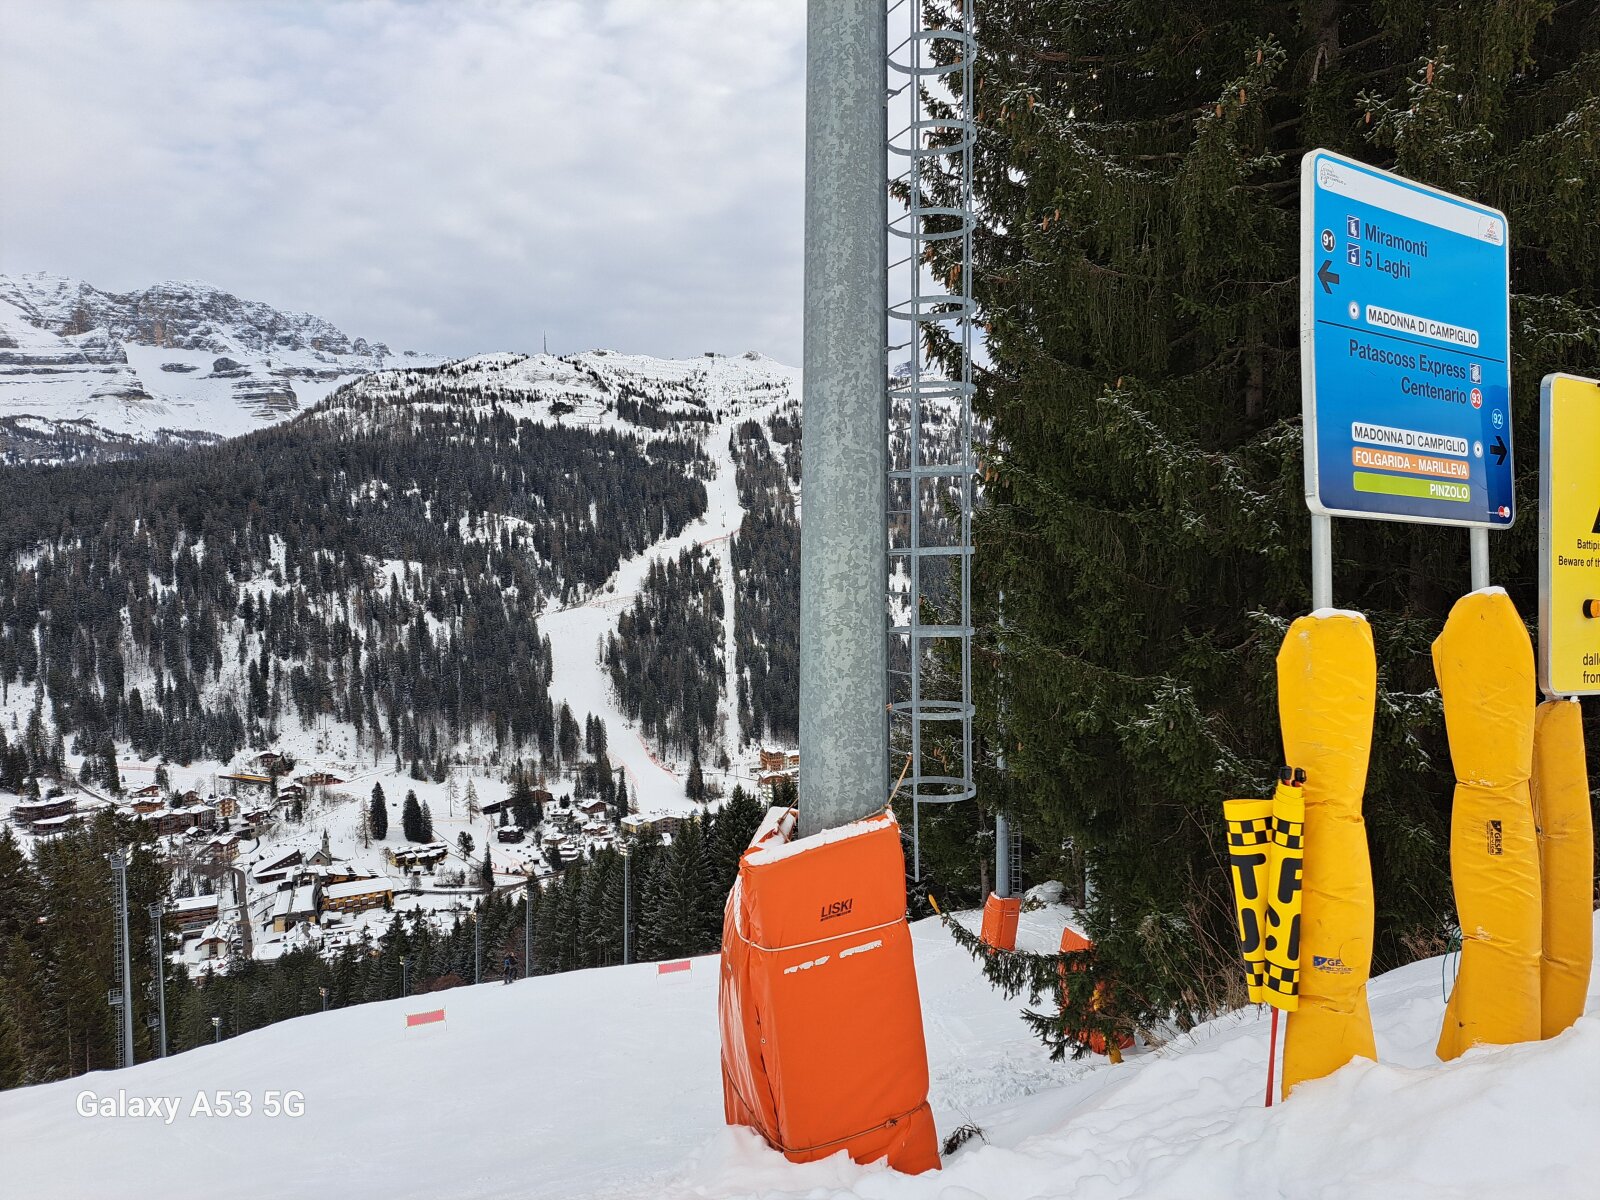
pixel 1566 863
pixel 1000 921
pixel 1072 941
pixel 822 1044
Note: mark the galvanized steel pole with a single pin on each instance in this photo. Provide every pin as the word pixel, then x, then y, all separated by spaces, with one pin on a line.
pixel 843 637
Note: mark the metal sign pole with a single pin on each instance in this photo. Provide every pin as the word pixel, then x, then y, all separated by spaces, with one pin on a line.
pixel 1321 561
pixel 1480 558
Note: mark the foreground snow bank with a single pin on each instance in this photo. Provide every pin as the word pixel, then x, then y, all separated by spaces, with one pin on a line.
pixel 604 1083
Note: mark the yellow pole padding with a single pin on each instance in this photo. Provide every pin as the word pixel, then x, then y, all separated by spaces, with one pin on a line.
pixel 1327 694
pixel 1566 863
pixel 1249 842
pixel 1284 898
pixel 1484 664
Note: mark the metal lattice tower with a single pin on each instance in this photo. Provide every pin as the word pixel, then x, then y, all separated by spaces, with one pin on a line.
pixel 121 998
pixel 931 467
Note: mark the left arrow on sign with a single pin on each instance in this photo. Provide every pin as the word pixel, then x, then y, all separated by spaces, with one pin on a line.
pixel 1327 277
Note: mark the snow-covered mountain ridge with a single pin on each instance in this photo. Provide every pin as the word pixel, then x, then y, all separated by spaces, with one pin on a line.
pixel 88 372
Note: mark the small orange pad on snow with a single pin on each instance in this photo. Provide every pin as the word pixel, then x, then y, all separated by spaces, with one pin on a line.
pixel 1000 922
pixel 1071 942
pixel 672 968
pixel 822 1043
pixel 425 1018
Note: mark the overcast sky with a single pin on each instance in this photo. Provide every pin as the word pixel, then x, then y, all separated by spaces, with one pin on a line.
pixel 441 175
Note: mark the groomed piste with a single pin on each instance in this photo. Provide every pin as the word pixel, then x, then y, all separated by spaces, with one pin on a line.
pixel 605 1084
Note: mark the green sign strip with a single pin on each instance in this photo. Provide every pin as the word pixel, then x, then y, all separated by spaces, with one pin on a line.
pixel 1400 485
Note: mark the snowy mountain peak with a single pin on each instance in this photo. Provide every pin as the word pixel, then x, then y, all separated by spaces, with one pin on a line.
pixel 84 370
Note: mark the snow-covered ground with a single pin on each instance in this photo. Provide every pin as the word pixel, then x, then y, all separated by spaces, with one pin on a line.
pixel 605 1084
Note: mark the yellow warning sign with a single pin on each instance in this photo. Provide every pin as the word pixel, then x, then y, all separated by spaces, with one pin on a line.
pixel 1569 537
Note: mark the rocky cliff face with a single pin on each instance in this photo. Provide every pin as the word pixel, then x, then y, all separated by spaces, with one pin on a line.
pixel 182 361
pixel 181 316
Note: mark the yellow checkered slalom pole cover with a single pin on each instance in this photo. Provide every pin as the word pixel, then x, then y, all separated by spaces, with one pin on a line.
pixel 1265 858
pixel 1285 865
pixel 1249 841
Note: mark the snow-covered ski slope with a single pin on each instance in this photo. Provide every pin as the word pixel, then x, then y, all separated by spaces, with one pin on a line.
pixel 576 633
pixel 604 1084
pixel 711 395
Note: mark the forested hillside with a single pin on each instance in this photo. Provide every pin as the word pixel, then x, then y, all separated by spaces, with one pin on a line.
pixel 766 564
pixel 664 658
pixel 344 566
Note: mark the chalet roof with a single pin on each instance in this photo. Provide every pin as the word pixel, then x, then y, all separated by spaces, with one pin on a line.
pixel 60 822
pixel 242 777
pixel 24 807
pixel 302 899
pixel 357 887
pixel 193 904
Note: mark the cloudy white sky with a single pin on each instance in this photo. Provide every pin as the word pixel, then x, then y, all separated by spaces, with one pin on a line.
pixel 443 175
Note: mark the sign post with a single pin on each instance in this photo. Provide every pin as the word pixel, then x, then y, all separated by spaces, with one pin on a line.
pixel 1405 350
pixel 1569 537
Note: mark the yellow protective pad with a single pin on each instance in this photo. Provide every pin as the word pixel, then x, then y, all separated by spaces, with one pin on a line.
pixel 1484 663
pixel 1285 866
pixel 1327 693
pixel 1249 840
pixel 1566 863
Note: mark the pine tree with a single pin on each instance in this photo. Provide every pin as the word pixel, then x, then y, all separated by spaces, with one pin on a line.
pixel 378 814
pixel 411 818
pixel 110 775
pixel 486 871
pixel 427 823
pixel 695 785
pixel 1136 270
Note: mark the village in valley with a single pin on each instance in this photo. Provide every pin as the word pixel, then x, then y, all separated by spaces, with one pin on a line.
pixel 270 853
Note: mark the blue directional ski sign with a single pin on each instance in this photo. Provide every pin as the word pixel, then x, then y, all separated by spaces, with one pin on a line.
pixel 1405 349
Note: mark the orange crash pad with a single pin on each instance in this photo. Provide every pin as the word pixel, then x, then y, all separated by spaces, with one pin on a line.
pixel 822 1043
pixel 999 930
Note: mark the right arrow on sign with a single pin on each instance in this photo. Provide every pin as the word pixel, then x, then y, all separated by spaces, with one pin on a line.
pixel 1499 450
pixel 1327 277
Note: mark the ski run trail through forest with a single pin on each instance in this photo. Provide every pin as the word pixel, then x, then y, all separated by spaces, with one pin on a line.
pixel 577 634
pixel 604 1083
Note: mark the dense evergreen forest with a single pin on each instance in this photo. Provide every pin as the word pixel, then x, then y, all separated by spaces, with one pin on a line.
pixel 665 659
pixel 57 951
pixel 766 567
pixel 344 566
pixel 1136 265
